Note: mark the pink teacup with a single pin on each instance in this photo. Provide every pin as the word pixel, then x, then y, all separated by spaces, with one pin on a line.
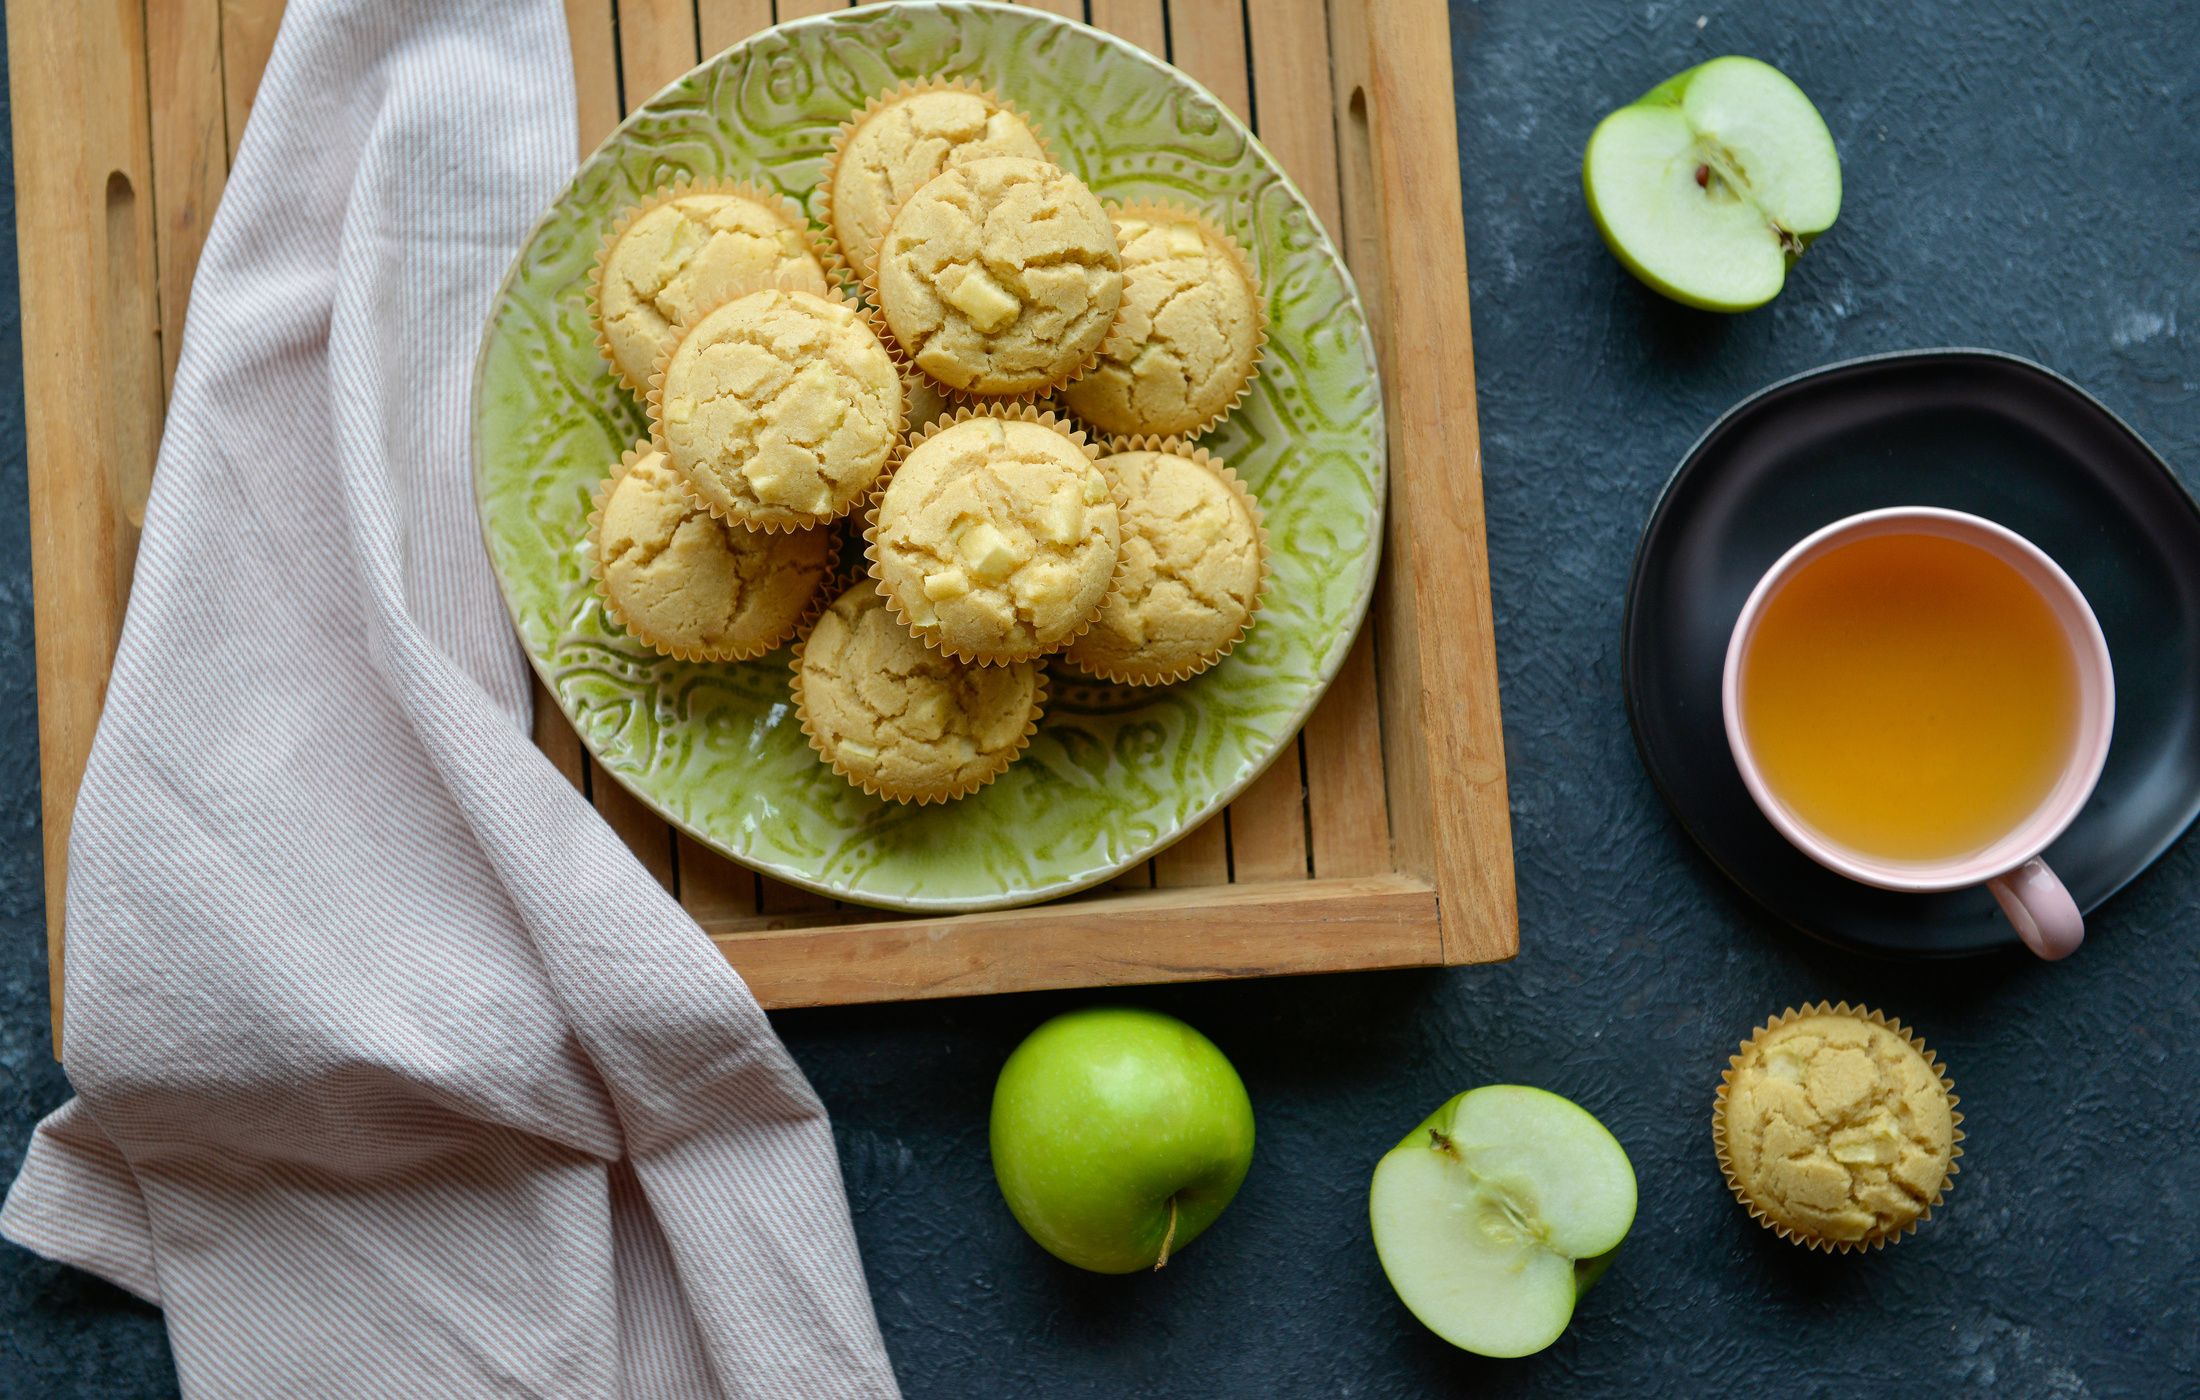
pixel 2045 915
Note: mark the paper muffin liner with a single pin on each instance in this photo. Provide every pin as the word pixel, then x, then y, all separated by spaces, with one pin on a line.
pixel 913 384
pixel 1017 412
pixel 1804 1237
pixel 592 559
pixel 878 102
pixel 1120 344
pixel 908 796
pixel 838 277
pixel 777 521
pixel 1179 447
pixel 874 306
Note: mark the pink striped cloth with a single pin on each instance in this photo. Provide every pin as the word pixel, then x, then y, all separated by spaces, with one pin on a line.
pixel 396 1075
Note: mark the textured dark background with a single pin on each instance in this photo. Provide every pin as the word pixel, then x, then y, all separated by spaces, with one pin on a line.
pixel 2023 175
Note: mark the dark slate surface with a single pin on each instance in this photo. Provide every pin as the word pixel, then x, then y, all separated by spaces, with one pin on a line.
pixel 2020 175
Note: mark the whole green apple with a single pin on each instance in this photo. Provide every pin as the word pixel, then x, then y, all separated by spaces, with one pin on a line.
pixel 1499 1211
pixel 1709 186
pixel 1119 1134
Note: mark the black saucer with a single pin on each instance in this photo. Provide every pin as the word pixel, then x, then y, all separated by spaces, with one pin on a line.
pixel 1972 430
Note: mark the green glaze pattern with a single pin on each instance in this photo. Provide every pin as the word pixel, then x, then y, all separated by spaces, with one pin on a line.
pixel 1115 773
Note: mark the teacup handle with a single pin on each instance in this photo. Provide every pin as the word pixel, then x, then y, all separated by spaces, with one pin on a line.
pixel 2046 917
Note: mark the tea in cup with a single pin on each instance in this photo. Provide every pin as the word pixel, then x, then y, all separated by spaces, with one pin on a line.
pixel 1921 700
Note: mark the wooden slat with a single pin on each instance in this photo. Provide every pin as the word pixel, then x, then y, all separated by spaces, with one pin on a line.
pixel 190 150
pixel 725 23
pixel 1438 651
pixel 656 45
pixel 803 9
pixel 777 897
pixel 1268 821
pixel 1140 21
pixel 643 831
pixel 1202 857
pixel 1347 817
pixel 588 29
pixel 248 36
pixel 555 737
pixel 92 394
pixel 1258 930
pixel 1290 46
pixel 1207 40
pixel 712 888
pixel 1067 9
pixel 1347 811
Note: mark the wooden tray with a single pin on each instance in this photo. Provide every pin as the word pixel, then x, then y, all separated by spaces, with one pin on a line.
pixel 1382 841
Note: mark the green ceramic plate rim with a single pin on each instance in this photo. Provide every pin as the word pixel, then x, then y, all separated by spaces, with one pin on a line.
pixel 1372 561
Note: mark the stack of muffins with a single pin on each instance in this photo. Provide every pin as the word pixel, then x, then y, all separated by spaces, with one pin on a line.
pixel 1006 376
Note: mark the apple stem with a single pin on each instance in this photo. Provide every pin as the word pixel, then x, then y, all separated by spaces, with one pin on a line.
pixel 1442 1143
pixel 1168 1239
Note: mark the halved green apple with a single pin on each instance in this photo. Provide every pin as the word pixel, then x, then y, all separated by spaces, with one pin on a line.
pixel 1711 185
pixel 1499 1211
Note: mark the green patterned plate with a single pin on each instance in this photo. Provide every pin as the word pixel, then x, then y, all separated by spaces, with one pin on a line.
pixel 1114 774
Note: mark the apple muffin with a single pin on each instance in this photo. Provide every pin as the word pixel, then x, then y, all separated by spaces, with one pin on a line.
pixel 780 408
pixel 899 141
pixel 998 537
pixel 902 720
pixel 1836 1128
pixel 1000 278
pixel 687 583
pixel 1190 333
pixel 1194 561
pixel 683 251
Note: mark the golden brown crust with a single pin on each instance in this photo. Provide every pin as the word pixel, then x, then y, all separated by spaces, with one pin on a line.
pixel 999 280
pixel 901 138
pixel 1837 1128
pixel 688 585
pixel 1195 567
pixel 997 537
pixel 1188 343
pixel 904 721
pixel 780 408
pixel 639 296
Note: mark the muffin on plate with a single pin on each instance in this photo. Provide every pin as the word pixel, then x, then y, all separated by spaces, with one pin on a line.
pixel 1836 1128
pixel 780 408
pixel 1190 334
pixel 901 139
pixel 688 584
pixel 998 537
pixel 1194 562
pixel 902 720
pixel 1000 278
pixel 684 250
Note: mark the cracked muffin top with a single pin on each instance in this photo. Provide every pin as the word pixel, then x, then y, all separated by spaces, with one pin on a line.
pixel 901 719
pixel 781 408
pixel 1000 277
pixel 1189 334
pixel 690 585
pixel 897 146
pixel 677 258
pixel 997 538
pixel 1191 572
pixel 1837 1128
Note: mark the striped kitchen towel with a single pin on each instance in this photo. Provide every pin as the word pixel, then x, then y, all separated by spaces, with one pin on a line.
pixel 395 1073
